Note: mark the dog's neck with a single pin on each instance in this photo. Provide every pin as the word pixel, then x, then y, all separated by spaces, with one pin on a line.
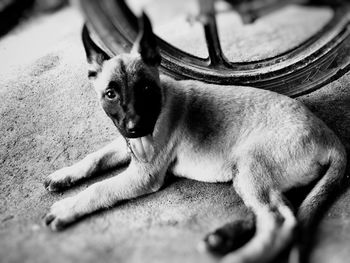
pixel 174 103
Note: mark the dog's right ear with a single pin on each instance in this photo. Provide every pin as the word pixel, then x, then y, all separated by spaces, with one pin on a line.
pixel 94 54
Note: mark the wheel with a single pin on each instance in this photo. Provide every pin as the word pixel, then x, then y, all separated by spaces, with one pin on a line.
pixel 10 13
pixel 320 59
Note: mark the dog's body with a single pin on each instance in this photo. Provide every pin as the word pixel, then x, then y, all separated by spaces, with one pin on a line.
pixel 263 142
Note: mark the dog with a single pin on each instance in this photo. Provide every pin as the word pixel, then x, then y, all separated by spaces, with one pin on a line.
pixel 263 142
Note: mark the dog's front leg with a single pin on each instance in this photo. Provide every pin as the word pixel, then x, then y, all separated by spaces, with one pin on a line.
pixel 133 182
pixel 110 156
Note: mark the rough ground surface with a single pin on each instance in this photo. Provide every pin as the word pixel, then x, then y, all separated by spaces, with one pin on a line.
pixel 49 118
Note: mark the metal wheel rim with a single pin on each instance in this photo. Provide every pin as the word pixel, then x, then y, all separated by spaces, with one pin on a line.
pixel 321 59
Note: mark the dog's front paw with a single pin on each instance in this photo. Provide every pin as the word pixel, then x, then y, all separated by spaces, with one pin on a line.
pixel 61 179
pixel 62 214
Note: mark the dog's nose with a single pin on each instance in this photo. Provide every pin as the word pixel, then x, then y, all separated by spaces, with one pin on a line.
pixel 131 126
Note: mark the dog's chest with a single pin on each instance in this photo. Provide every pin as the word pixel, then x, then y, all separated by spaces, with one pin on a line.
pixel 201 166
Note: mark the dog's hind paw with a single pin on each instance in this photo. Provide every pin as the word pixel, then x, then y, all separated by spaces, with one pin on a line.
pixel 228 238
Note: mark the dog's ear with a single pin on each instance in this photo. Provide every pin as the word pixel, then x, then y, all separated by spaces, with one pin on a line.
pixel 146 43
pixel 94 54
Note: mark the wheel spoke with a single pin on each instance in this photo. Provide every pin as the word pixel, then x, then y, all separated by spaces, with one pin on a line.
pixel 207 18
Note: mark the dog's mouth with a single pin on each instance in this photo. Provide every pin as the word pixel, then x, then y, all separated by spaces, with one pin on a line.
pixel 142 147
pixel 140 142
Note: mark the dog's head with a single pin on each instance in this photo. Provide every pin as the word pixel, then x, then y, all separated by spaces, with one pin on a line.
pixel 128 84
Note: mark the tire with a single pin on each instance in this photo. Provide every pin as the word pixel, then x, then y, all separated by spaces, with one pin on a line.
pixel 11 12
pixel 322 58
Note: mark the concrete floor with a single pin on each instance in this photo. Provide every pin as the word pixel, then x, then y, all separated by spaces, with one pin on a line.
pixel 49 118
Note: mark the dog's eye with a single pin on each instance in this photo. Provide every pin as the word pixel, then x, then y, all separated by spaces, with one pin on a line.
pixel 146 89
pixel 111 94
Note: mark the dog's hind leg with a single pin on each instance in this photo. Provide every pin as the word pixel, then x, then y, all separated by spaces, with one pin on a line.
pixel 113 155
pixel 275 221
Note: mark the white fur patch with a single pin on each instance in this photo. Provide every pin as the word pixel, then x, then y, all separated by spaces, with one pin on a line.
pixel 203 167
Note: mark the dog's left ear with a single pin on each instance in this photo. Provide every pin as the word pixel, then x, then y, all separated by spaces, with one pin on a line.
pixel 146 43
pixel 94 54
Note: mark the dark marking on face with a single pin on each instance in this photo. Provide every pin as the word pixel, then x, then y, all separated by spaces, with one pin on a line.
pixel 137 105
pixel 124 87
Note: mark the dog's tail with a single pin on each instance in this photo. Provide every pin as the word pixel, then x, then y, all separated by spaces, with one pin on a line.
pixel 315 202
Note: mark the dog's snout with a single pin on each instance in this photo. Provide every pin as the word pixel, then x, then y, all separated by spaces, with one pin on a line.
pixel 131 126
